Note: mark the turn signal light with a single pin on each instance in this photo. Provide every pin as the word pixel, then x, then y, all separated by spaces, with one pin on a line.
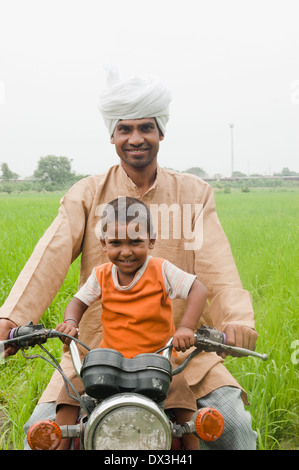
pixel 209 424
pixel 44 435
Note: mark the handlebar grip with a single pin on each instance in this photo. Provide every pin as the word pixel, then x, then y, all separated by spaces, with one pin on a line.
pixel 28 335
pixel 208 333
pixel 27 329
pixel 11 336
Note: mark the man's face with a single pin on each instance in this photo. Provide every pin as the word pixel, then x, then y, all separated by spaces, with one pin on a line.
pixel 137 141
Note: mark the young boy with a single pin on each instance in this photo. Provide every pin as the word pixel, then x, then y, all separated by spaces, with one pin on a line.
pixel 136 291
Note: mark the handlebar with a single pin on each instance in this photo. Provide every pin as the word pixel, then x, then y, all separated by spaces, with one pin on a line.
pixel 205 339
pixel 28 335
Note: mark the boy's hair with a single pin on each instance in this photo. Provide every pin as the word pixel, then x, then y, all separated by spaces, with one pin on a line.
pixel 125 210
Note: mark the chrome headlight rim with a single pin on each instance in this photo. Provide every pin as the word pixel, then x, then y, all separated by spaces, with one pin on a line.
pixel 118 401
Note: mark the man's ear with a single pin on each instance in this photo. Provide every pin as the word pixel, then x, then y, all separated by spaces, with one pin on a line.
pixel 112 139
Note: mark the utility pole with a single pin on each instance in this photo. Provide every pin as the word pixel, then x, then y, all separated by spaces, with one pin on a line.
pixel 232 147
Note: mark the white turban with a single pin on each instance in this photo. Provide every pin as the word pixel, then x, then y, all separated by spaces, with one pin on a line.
pixel 134 98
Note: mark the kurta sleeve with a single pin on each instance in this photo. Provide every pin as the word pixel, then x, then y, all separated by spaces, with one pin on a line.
pixel 46 269
pixel 216 269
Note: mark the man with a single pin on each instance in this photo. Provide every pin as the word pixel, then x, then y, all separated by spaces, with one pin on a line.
pixel 135 112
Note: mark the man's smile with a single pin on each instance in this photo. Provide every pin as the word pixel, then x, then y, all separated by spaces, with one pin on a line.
pixel 138 151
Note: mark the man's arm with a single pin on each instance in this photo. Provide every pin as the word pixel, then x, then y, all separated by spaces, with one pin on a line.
pixel 230 306
pixel 46 269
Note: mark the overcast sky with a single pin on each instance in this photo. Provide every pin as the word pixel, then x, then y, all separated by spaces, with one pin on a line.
pixel 225 61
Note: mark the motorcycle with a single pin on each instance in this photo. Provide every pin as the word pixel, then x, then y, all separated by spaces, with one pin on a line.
pixel 122 406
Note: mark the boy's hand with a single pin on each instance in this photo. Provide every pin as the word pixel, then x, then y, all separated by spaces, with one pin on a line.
pixel 69 329
pixel 183 339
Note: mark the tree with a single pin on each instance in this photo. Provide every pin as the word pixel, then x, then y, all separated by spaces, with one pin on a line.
pixel 54 170
pixel 196 170
pixel 286 172
pixel 238 174
pixel 7 174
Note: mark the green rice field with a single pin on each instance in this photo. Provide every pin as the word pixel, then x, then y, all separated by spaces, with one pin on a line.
pixel 262 227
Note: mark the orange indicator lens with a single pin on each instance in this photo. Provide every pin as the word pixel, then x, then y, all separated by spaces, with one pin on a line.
pixel 209 424
pixel 44 435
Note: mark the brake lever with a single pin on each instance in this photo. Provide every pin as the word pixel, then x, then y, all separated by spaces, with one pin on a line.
pixel 212 346
pixel 210 340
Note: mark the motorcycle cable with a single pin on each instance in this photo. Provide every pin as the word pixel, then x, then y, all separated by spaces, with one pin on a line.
pixel 49 334
pixel 55 364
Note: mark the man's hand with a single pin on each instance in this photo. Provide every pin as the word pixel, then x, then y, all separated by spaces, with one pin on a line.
pixel 240 336
pixel 5 327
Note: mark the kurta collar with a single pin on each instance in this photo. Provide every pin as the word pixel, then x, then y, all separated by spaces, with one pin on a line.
pixel 131 186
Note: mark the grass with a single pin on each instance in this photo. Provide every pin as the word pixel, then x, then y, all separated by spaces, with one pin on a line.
pixel 262 227
pixel 23 220
pixel 263 231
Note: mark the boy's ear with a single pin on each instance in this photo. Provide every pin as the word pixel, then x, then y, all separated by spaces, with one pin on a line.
pixel 152 242
pixel 103 243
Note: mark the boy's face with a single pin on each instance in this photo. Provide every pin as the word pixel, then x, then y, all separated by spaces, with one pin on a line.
pixel 127 253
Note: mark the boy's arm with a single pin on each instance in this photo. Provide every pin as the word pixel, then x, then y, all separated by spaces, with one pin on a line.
pixel 184 336
pixel 72 316
pixel 87 295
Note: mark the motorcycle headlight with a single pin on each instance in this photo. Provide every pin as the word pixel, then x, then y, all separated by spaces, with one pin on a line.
pixel 127 422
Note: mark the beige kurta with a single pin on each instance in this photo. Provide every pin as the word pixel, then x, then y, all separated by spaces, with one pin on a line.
pixel 74 232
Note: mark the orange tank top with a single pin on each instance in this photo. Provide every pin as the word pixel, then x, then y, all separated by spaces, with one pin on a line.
pixel 138 320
